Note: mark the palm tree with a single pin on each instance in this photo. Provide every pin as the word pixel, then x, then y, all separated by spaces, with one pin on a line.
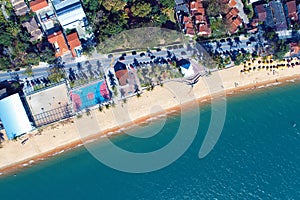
pixel 100 108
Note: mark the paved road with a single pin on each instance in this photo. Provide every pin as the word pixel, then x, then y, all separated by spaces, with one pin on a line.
pixel 220 47
pixel 105 63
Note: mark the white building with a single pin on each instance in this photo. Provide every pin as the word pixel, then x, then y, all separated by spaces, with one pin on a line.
pixel 70 15
pixel 14 117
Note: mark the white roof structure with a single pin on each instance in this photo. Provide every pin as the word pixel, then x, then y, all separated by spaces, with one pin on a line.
pixel 14 117
pixel 70 13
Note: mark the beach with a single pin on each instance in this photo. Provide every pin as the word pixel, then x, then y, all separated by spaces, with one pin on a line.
pixel 58 137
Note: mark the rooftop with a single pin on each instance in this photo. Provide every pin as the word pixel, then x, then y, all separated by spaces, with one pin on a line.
pixel 33 29
pixel 292 10
pixel 38 4
pixel 59 43
pixel 277 12
pixel 73 42
pixel 261 12
pixel 232 3
pixel 20 7
pixel 122 76
pixel 294 49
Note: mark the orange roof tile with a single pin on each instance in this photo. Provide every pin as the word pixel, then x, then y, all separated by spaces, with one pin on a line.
pixel 38 4
pixel 59 43
pixel 238 21
pixel 73 42
pixel 294 49
pixel 122 76
pixel 232 3
pixel 186 19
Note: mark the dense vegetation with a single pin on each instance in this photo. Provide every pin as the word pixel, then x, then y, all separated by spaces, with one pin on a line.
pixel 16 49
pixel 110 17
pixel 277 47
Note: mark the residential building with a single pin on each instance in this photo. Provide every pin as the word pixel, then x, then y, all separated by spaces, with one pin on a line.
pixel 181 6
pixel 188 26
pixel 182 14
pixel 233 19
pixel 45 14
pixel 38 5
pixel 272 15
pixel 200 20
pixel 70 15
pixel 291 11
pixel 74 44
pixel 33 28
pixel 58 41
pixel 20 7
pixel 276 11
pixel 261 12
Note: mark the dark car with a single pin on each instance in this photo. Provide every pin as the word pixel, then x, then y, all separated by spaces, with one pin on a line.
pixel 142 54
pixel 133 53
pixel 158 49
pixel 124 54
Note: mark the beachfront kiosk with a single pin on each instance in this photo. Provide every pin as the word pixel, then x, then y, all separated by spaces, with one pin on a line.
pixel 14 117
pixel 186 67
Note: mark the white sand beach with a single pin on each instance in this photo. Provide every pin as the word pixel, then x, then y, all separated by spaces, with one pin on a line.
pixel 69 133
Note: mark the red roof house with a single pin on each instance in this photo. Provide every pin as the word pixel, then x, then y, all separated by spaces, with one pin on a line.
pixel 292 10
pixel 59 43
pixel 38 4
pixel 74 43
pixel 261 12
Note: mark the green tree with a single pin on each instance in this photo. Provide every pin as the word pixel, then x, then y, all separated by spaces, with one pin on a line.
pixel 215 8
pixel 141 9
pixel 168 3
pixel 56 74
pixel 4 63
pixel 281 49
pixel 47 55
pixel 28 71
pixel 113 5
pixel 6 39
pixel 218 27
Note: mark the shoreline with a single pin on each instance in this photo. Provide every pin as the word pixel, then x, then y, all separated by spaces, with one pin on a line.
pixel 115 130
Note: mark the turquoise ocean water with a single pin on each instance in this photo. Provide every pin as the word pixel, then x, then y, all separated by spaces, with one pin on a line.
pixel 256 157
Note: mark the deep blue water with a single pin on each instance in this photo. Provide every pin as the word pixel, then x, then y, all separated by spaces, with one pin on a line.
pixel 256 157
